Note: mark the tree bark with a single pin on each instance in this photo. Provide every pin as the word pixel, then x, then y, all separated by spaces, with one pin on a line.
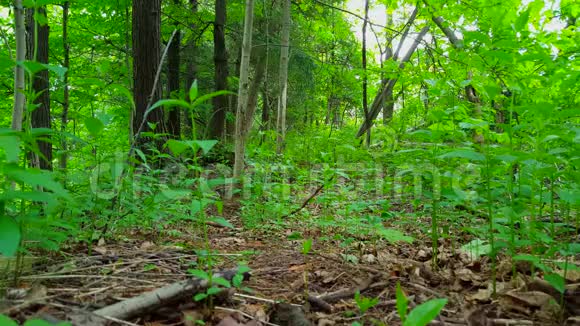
pixel 191 67
pixel 364 67
pixel 66 94
pixel 260 69
pixel 389 87
pixel 173 77
pixel 19 82
pixel 284 57
pixel 240 141
pixel 146 56
pixel 40 117
pixel 220 103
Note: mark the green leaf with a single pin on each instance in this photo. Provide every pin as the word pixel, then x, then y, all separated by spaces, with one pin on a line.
pixel 557 281
pixel 40 322
pixel 402 302
pixel 206 97
pixel 58 70
pixel 94 126
pixel 11 147
pixel 168 103
pixel 476 248
pixel 9 236
pixel 199 274
pixel 306 246
pixel 205 145
pixel 221 281
pixel 193 91
pixel 36 178
pixel 177 147
pixel 392 235
pixel 213 290
pixel 425 312
pixel 522 21
pixel 221 221
pixel 237 280
pixel 199 297
pixel 464 153
pixel 5 321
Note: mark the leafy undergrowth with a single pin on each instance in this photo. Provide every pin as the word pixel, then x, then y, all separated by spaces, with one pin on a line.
pixel 292 260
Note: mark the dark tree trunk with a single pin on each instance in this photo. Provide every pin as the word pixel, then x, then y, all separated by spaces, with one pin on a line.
pixel 220 56
pixel 173 62
pixel 265 109
pixel 146 55
pixel 37 49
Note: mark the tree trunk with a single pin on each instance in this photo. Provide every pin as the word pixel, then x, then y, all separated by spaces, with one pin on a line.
pixel 146 56
pixel 240 141
pixel 38 51
pixel 259 71
pixel 220 57
pixel 284 56
pixel 66 94
pixel 173 63
pixel 364 67
pixel 191 67
pixel 389 87
pixel 19 82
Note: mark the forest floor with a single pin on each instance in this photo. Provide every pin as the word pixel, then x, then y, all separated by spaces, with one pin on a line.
pixel 138 262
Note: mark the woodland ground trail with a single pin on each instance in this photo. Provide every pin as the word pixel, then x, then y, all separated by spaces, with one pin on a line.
pixel 137 263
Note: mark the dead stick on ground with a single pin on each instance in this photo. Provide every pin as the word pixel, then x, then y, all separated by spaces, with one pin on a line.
pixel 323 301
pixel 151 301
pixel 307 200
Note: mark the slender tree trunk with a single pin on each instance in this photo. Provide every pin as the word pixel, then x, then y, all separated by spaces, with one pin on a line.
pixel 173 78
pixel 389 87
pixel 240 138
pixel 38 51
pixel 284 57
pixel 259 71
pixel 66 95
pixel 220 56
pixel 146 56
pixel 191 67
pixel 19 82
pixel 364 66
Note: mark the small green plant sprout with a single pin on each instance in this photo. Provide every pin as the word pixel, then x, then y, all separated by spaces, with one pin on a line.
pixel 6 321
pixel 306 246
pixel 215 282
pixel 420 315
pixel 363 303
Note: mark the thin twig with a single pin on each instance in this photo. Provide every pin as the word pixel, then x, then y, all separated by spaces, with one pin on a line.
pixel 245 315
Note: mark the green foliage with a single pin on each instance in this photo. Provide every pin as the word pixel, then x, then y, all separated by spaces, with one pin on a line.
pixel 363 303
pixel 422 314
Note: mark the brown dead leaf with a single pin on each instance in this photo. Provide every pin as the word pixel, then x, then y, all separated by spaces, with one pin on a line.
pixel 191 316
pixel 482 295
pixel 467 276
pixel 298 268
pixel 147 245
pixel 229 321
pixel 257 311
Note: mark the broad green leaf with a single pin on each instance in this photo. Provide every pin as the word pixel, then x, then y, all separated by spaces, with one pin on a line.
pixel 392 235
pixel 36 178
pixel 199 273
pixel 221 281
pixel 168 103
pixel 5 321
pixel 94 126
pixel 193 91
pixel 9 236
pixel 476 248
pixel 177 147
pixel 206 97
pixel 425 312
pixel 199 297
pixel 40 322
pixel 58 70
pixel 221 221
pixel 213 290
pixel 205 145
pixel 522 21
pixel 557 281
pixel 11 147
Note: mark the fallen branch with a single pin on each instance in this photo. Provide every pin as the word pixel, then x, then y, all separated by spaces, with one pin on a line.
pixel 151 301
pixel 323 301
pixel 307 200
